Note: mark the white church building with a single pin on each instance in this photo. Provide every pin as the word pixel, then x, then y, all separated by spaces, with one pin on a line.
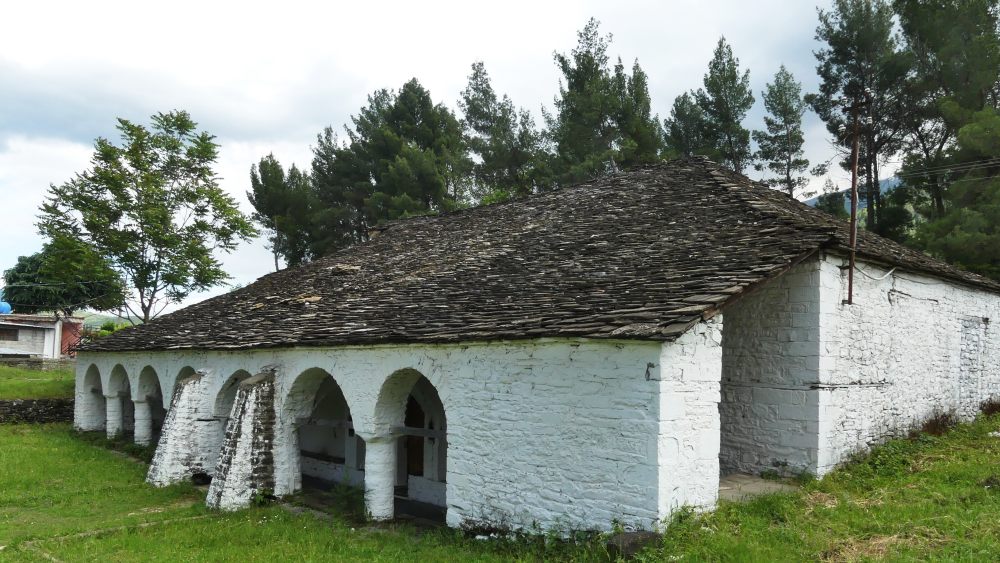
pixel 603 352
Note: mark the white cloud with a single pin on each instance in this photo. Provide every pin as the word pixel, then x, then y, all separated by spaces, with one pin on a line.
pixel 265 77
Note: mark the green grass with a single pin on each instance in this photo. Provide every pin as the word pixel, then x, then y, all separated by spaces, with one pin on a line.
pixel 930 497
pixel 916 499
pixel 19 383
pixel 56 484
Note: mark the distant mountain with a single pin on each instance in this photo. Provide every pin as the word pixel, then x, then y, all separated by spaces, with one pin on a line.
pixel 885 186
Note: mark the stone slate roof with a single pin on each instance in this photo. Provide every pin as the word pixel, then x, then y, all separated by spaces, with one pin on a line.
pixel 644 254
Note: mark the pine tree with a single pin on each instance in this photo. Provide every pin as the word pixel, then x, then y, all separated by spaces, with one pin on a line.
pixel 404 155
pixel 685 128
pixel 724 101
pixel 283 205
pixel 860 64
pixel 504 140
pixel 640 138
pixel 780 146
pixel 602 120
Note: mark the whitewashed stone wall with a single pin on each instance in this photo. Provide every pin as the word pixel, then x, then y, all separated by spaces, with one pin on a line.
pixel 770 363
pixel 562 433
pixel 688 444
pixel 808 381
pixel 909 347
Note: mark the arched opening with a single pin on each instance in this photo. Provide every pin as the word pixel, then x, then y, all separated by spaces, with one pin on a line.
pixel 222 409
pixel 186 371
pixel 150 423
pixel 329 452
pixel 171 384
pixel 227 396
pixel 93 412
pixel 412 409
pixel 120 408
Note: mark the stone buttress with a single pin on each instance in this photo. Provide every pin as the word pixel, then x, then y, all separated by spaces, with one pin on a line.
pixel 246 461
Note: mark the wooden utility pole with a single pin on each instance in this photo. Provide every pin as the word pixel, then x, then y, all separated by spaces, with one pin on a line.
pixel 854 201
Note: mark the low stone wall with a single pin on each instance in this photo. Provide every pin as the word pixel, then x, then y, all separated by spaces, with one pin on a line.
pixel 40 364
pixel 36 411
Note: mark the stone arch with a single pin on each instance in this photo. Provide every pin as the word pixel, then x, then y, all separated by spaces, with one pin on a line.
pixel 149 410
pixel 119 406
pixel 320 430
pixel 221 408
pixel 93 409
pixel 411 421
pixel 227 394
pixel 186 371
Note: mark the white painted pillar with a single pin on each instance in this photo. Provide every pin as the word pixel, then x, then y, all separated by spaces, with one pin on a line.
pixel 143 423
pixel 380 478
pixel 115 424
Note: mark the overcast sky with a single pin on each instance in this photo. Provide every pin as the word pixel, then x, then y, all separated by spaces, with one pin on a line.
pixel 267 77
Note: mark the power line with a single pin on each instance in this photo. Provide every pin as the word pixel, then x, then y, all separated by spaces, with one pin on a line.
pixel 964 167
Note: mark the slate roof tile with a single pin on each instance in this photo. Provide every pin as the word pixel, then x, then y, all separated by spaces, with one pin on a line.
pixel 644 254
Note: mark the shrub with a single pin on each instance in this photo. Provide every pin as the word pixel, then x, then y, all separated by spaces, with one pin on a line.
pixel 990 407
pixel 939 423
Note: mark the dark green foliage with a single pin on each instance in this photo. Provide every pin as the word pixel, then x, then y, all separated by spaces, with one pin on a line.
pixel 685 133
pixel 67 275
pixel 404 156
pixel 833 203
pixel 780 146
pixel 153 210
pixel 860 64
pixel 949 157
pixel 284 208
pixel 504 139
pixel 602 120
pixel 640 138
pixel 724 101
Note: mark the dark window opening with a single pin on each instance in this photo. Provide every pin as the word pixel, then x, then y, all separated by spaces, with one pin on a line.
pixel 8 334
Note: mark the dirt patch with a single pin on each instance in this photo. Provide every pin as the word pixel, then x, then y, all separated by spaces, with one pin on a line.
pixel 879 547
pixel 818 499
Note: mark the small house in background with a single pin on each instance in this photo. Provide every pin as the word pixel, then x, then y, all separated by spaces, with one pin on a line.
pixel 38 336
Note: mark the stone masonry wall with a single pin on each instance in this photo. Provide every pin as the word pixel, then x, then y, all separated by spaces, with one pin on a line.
pixel 562 433
pixel 36 411
pixel 909 347
pixel 770 359
pixel 181 452
pixel 688 445
pixel 246 460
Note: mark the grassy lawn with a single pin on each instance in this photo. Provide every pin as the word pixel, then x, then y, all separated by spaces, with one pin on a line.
pixel 19 383
pixel 66 497
pixel 925 498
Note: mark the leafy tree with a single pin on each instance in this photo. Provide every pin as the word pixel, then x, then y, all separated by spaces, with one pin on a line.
pixel 602 120
pixel 283 204
pixel 504 139
pixel 955 49
pixel 65 276
pixel 151 208
pixel 861 65
pixel 686 128
pixel 724 101
pixel 780 147
pixel 968 234
pixel 404 155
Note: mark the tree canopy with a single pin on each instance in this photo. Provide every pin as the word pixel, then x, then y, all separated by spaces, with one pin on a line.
pixel 66 276
pixel 602 121
pixel 780 145
pixel 724 101
pixel 152 209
